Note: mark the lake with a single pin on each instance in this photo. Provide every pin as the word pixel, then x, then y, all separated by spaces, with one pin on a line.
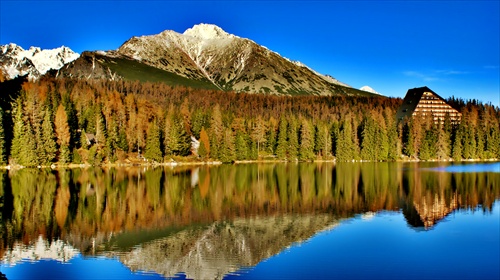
pixel 253 221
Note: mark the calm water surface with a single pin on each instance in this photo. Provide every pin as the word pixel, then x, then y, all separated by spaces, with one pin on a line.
pixel 253 221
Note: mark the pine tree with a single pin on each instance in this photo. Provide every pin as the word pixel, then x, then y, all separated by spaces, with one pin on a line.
pixel 216 132
pixel 306 149
pixel 281 145
pixel 293 141
pixel 29 152
pixel 18 133
pixel 469 143
pixel 227 148
pixel 177 140
pixel 443 151
pixel 493 143
pixel 101 133
pixel 241 146
pixel 322 141
pixel 369 142
pixel 204 150
pixel 47 146
pixel 259 131
pixel 71 115
pixel 2 139
pixel 457 143
pixel 153 149
pixel 63 134
pixel 271 137
pixel 345 143
pixel 428 148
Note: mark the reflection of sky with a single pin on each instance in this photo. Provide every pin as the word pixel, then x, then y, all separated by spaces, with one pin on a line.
pixel 476 167
pixel 464 246
pixel 78 268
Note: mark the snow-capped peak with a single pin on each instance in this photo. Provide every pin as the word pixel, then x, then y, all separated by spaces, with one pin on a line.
pixel 369 89
pixel 16 61
pixel 207 31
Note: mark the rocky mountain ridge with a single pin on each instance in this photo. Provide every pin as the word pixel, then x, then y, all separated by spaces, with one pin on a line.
pixel 34 62
pixel 204 56
pixel 210 57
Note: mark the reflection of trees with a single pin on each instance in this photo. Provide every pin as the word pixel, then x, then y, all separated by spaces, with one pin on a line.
pixel 87 205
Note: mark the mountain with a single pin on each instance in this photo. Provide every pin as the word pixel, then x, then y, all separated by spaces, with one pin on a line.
pixel 34 62
pixel 369 89
pixel 205 56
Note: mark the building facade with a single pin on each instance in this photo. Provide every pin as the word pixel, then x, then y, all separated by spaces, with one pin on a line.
pixel 423 102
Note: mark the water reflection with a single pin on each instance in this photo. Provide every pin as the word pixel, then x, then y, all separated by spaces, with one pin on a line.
pixel 209 221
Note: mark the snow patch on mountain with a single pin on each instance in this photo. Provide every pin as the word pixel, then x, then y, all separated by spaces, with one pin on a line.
pixel 207 31
pixel 369 89
pixel 15 61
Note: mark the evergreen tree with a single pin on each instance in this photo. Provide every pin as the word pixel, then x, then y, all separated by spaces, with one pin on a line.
pixel 71 115
pixel 153 149
pixel 457 143
pixel 293 140
pixel 323 141
pixel 369 142
pixel 259 131
pixel 394 142
pixel 227 149
pixel 306 149
pixel 177 140
pixel 493 143
pixel 23 150
pixel 47 146
pixel 204 150
pixel 112 140
pixel 63 134
pixel 271 137
pixel 345 143
pixel 428 148
pixel 469 143
pixel 29 157
pixel 18 133
pixel 443 151
pixel 241 146
pixel 216 132
pixel 101 133
pixel 281 145
pixel 2 139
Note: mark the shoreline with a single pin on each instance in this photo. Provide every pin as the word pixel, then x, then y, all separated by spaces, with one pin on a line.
pixel 213 163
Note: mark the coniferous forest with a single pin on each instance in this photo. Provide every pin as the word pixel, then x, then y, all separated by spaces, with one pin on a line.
pixel 64 121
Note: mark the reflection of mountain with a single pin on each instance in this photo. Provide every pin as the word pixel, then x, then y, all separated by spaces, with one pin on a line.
pixel 86 207
pixel 40 250
pixel 223 247
pixel 433 210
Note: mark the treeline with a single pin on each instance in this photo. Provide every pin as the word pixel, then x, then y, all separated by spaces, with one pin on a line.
pixel 76 121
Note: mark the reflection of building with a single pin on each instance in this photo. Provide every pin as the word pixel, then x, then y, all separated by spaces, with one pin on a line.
pixel 428 211
pixel 433 210
pixel 423 102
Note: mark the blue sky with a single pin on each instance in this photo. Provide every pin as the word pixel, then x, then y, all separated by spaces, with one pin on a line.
pixel 450 46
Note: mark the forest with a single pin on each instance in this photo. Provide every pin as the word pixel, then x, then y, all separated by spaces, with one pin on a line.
pixel 64 121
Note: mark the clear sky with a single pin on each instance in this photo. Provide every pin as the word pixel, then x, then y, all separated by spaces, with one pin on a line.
pixel 450 46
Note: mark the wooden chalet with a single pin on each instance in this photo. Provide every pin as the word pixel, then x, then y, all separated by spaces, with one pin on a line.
pixel 421 102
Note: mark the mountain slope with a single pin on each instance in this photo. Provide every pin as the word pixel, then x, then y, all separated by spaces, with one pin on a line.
pixel 34 62
pixel 207 57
